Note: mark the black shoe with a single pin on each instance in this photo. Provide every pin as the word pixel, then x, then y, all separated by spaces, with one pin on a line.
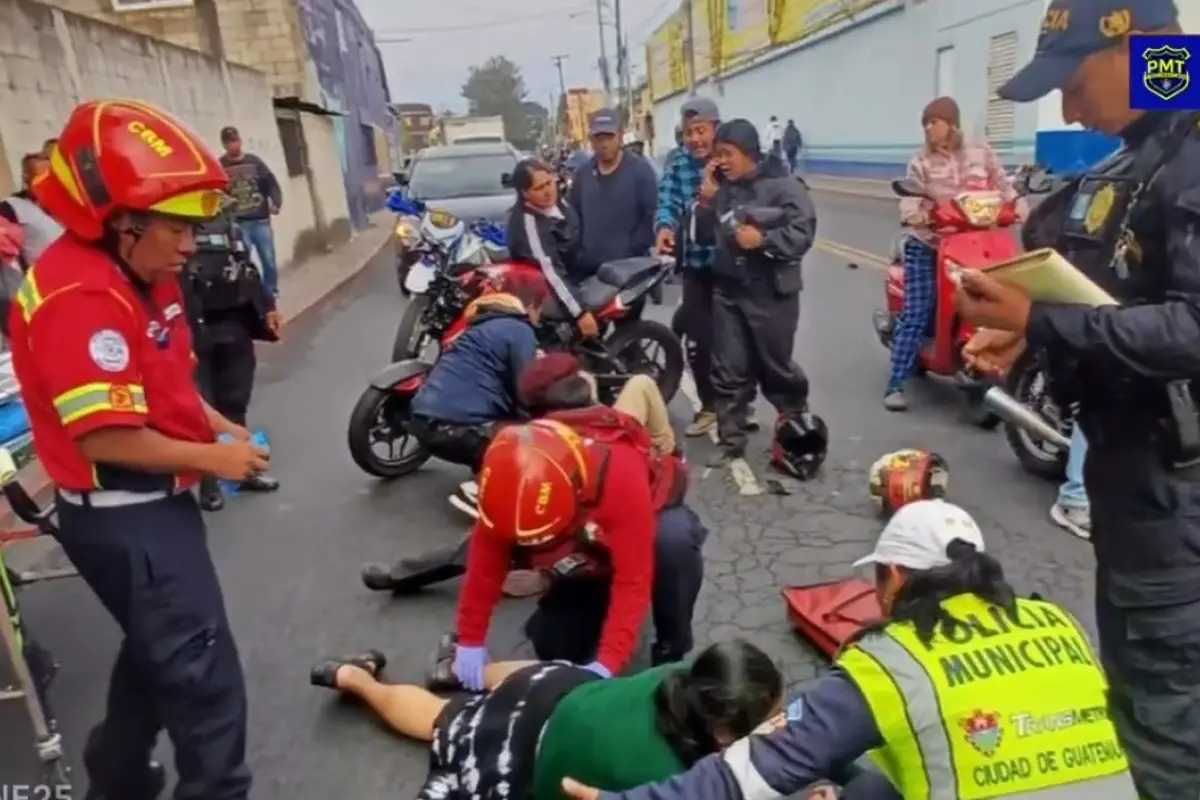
pixel 441 677
pixel 413 574
pixel 211 498
pixel 723 457
pixel 324 674
pixel 155 782
pixel 260 483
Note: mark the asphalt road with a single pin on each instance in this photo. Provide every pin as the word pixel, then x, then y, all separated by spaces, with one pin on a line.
pixel 290 562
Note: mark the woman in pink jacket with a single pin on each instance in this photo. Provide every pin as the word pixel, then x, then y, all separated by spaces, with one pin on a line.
pixel 946 166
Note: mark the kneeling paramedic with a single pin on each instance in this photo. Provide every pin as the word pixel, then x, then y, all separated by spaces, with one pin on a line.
pixel 962 690
pixel 555 387
pixel 551 499
pixel 102 349
pixel 229 308
pixel 762 221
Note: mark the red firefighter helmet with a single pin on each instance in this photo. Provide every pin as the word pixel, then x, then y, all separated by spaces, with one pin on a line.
pixel 537 483
pixel 118 155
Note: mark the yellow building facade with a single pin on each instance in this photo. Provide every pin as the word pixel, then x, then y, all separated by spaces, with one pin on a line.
pixel 581 102
pixel 730 33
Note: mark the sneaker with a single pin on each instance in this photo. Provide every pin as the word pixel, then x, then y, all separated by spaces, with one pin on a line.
pixel 468 507
pixel 702 424
pixel 895 400
pixel 469 490
pixel 1072 519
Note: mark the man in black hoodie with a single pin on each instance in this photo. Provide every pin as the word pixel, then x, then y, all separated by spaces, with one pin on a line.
pixel 763 222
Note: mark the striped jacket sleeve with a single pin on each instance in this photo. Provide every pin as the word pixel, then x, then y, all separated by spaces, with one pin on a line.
pixel 558 284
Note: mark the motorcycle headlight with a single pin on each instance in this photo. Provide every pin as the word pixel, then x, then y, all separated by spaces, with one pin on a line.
pixel 981 209
pixel 407 233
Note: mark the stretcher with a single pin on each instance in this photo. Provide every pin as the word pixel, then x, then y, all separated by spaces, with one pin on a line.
pixel 828 614
pixel 29 687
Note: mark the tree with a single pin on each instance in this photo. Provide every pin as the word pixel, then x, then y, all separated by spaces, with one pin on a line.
pixel 496 88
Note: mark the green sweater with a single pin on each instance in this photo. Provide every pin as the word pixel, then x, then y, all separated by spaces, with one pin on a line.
pixel 604 735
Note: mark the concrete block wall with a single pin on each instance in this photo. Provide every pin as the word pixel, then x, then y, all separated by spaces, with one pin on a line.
pixel 51 60
pixel 177 25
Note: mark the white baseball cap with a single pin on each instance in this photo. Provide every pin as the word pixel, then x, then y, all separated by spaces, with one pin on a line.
pixel 917 536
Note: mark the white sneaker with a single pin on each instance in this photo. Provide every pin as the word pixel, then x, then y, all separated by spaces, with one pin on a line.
pixel 1072 519
pixel 468 508
pixel 470 490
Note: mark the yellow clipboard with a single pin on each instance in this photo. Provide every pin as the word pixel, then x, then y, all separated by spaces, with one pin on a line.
pixel 1047 277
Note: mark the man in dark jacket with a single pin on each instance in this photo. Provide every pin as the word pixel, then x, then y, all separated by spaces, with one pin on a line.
pixel 474 383
pixel 792 142
pixel 257 198
pixel 614 196
pixel 762 222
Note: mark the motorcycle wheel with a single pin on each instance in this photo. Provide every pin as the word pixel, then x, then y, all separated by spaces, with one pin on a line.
pixel 633 335
pixel 410 334
pixel 1023 384
pixel 374 410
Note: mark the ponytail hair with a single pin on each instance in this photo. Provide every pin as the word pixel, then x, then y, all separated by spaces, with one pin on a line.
pixel 920 599
pixel 728 691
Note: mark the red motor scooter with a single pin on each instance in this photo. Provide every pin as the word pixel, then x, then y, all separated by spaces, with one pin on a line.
pixel 971 234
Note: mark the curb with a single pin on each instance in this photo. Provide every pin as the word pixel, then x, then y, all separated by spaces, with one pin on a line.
pixel 39 485
pixel 869 189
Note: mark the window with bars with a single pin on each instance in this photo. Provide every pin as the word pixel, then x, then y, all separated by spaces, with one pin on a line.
pixel 291 136
pixel 1001 66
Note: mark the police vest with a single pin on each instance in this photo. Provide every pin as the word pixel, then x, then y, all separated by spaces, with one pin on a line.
pixel 41 230
pixel 995 707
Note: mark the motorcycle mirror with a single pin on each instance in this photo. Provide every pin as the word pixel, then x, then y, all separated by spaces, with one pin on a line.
pixel 506 180
pixel 904 187
pixel 1038 180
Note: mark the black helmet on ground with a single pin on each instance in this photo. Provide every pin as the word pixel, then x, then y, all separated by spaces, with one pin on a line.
pixel 800 445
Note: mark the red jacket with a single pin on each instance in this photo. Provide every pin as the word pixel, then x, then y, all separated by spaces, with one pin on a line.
pixel 625 516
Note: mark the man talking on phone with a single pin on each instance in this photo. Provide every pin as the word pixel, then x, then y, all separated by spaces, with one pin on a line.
pixel 678 188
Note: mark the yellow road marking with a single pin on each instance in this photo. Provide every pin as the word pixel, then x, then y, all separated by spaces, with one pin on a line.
pixel 852 253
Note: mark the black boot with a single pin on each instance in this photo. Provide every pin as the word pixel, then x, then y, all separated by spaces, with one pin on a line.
pixel 260 483
pixel 413 574
pixel 211 498
pixel 147 786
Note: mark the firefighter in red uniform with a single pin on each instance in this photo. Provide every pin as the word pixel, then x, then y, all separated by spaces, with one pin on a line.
pixel 101 347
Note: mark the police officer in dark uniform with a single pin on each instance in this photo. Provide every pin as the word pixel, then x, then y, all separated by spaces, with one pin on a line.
pixel 229 308
pixel 1131 224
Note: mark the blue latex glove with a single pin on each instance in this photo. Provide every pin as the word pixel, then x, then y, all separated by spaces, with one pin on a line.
pixel 468 666
pixel 599 669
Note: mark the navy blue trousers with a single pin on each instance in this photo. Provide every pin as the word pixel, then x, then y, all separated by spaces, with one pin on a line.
pixel 177 667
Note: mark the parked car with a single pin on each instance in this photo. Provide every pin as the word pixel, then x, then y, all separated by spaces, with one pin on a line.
pixel 469 181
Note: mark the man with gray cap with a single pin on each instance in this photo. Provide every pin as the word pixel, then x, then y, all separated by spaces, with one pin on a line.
pixel 1131 224
pixel 684 172
pixel 614 197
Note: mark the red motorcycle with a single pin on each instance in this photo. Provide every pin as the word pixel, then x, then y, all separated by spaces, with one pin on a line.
pixel 971 234
pixel 619 288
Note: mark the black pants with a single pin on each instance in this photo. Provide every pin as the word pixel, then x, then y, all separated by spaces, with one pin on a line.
pixel 178 666
pixel 754 331
pixel 696 308
pixel 457 444
pixel 570 616
pixel 225 372
pixel 1146 612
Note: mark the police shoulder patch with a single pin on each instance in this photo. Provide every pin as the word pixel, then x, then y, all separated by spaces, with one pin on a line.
pixel 109 350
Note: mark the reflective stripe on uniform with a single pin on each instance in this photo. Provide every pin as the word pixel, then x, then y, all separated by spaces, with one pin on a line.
pixel 1001 705
pixel 93 398
pixel 28 296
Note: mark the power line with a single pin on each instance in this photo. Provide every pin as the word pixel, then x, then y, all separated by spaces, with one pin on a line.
pixel 384 34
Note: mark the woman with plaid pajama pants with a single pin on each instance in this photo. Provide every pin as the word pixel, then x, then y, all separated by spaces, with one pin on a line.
pixel 945 167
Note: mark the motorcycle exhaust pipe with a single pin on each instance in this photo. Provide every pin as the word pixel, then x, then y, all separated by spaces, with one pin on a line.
pixel 1016 413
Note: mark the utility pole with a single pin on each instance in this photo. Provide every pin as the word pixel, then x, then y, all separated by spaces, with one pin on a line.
pixel 605 80
pixel 689 42
pixel 622 89
pixel 561 112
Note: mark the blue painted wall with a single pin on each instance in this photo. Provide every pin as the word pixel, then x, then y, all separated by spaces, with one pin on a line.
pixel 349 71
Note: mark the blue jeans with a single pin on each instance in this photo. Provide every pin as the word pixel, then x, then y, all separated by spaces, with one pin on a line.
pixel 261 240
pixel 1072 494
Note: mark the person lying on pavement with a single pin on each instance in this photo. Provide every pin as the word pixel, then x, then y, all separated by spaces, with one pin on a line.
pixel 962 689
pixel 554 387
pixel 538 722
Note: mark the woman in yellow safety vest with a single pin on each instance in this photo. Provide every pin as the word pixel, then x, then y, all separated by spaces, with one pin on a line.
pixel 963 691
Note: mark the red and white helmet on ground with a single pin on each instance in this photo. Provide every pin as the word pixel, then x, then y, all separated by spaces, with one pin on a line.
pixel 899 478
pixel 125 155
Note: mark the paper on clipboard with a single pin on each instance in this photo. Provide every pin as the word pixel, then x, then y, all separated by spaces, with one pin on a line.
pixel 1047 277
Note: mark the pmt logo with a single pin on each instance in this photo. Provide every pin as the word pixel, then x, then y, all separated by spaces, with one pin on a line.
pixel 1026 724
